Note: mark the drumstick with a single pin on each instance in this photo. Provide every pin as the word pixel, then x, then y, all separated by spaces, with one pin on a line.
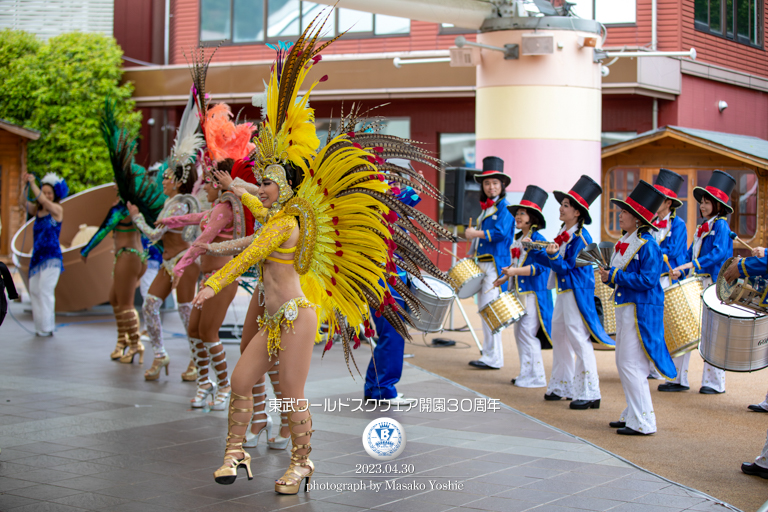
pixel 736 238
pixel 446 251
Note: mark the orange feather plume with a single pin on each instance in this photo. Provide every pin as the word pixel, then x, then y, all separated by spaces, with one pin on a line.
pixel 224 138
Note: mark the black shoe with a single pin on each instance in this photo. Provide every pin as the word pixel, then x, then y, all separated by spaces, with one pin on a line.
pixel 756 408
pixel 626 431
pixel 513 382
pixel 481 365
pixel 617 424
pixel 585 404
pixel 706 390
pixel 751 468
pixel 672 387
pixel 552 397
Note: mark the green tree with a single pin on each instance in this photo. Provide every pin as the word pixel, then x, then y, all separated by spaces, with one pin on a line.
pixel 59 88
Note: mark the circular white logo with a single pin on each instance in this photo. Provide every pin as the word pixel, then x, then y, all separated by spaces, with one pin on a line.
pixel 384 439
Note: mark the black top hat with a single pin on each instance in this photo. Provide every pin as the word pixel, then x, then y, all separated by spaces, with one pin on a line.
pixel 533 200
pixel 493 167
pixel 718 189
pixel 669 183
pixel 581 195
pixel 642 202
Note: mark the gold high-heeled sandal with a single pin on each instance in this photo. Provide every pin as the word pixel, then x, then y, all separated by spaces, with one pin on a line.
pixel 120 347
pixel 135 346
pixel 190 374
pixel 222 377
pixel 158 363
pixel 227 473
pixel 292 475
pixel 202 360
pixel 123 319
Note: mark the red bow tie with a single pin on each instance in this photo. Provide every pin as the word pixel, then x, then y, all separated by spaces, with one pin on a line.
pixel 486 204
pixel 562 239
pixel 661 224
pixel 621 248
pixel 704 228
pixel 515 252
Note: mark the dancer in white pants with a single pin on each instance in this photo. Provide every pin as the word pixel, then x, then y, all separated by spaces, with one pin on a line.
pixel 46 264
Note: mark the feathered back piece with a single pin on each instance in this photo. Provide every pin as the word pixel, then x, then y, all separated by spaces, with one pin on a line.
pixel 224 138
pixel 287 133
pixel 198 68
pixel 133 182
pixel 188 140
pixel 355 228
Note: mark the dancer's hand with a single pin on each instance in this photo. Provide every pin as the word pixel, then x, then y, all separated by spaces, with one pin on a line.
pixel 204 294
pixel 132 208
pixel 732 272
pixel 552 248
pixel 224 179
pixel 605 275
pixel 202 245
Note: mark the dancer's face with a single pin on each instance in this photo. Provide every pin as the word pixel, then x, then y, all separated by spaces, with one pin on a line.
pixel 168 187
pixel 212 193
pixel 268 193
pixel 47 191
pixel 492 187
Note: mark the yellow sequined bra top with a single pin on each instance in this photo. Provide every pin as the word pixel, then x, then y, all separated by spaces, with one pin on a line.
pixel 276 230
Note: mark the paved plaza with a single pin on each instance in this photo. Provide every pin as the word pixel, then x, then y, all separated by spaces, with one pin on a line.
pixel 81 432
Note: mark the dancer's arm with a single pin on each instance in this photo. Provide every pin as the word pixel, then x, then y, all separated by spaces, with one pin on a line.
pixel 272 236
pixel 220 218
pixel 155 234
pixel 114 216
pixel 190 219
pixel 227 248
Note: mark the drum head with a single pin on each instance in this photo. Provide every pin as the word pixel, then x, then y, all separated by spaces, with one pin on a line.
pixel 711 301
pixel 436 287
pixel 470 287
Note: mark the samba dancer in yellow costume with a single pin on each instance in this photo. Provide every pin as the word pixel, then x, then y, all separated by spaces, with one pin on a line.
pixel 333 232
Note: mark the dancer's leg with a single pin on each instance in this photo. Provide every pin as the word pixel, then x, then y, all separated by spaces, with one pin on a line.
pixel 214 311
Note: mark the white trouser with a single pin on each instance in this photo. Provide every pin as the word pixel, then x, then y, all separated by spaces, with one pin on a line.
pixel 493 353
pixel 42 288
pixel 654 374
pixel 529 347
pixel 570 338
pixel 762 459
pixel 148 277
pixel 764 403
pixel 633 366
pixel 710 376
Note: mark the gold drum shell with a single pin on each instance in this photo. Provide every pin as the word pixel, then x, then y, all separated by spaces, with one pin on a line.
pixel 502 312
pixel 682 316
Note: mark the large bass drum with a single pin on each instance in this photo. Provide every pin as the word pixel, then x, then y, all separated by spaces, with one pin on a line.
pixel 437 297
pixel 732 338
pixel 682 316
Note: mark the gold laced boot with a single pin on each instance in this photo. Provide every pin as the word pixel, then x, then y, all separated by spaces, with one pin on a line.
pixel 227 473
pixel 292 476
pixel 135 346
pixel 122 318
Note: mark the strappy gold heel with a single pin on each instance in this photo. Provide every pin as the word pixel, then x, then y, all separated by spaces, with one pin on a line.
pixel 190 374
pixel 123 319
pixel 158 363
pixel 119 348
pixel 292 475
pixel 135 346
pixel 227 473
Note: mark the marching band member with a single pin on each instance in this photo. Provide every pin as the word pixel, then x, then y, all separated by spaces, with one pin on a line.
pixel 672 237
pixel 634 272
pixel 494 238
pixel 575 317
pixel 529 280
pixel 711 246
pixel 756 265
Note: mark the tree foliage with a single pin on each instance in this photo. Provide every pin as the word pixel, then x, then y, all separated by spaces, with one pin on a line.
pixel 58 88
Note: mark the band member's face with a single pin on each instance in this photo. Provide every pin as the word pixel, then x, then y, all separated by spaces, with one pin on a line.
pixel 211 192
pixel 522 219
pixel 568 213
pixel 706 207
pixel 492 187
pixel 664 208
pixel 268 193
pixel 47 191
pixel 627 221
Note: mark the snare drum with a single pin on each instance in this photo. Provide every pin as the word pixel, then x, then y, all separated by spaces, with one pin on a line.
pixel 437 297
pixel 502 312
pixel 732 338
pixel 605 294
pixel 466 277
pixel 682 316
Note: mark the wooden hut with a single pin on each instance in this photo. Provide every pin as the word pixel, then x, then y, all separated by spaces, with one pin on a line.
pixel 13 161
pixel 694 154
